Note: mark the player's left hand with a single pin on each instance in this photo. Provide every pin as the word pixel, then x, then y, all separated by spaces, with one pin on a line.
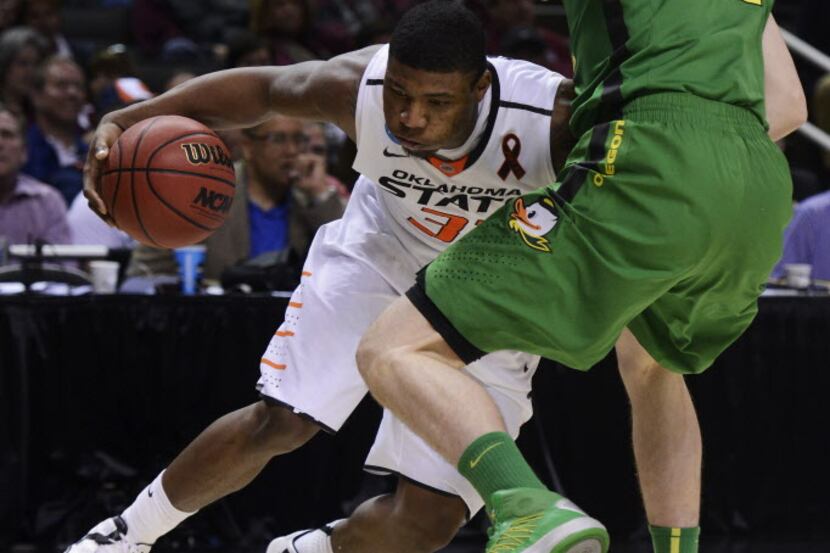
pixel 105 136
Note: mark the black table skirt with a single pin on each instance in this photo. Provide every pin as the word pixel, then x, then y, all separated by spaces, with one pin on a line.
pixel 100 393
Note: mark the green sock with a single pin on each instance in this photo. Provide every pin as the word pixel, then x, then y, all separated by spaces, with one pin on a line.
pixel 493 462
pixel 674 540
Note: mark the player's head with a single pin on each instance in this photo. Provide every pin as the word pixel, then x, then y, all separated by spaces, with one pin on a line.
pixel 437 74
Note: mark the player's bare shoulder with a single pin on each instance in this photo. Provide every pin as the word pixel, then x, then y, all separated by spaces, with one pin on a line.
pixel 336 83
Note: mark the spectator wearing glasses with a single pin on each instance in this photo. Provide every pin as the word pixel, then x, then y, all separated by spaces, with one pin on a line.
pixel 283 195
pixel 29 210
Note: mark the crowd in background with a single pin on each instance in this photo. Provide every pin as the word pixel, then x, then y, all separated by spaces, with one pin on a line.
pixel 66 63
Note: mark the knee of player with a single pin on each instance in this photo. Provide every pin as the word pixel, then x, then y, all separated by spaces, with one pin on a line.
pixel 635 364
pixel 279 430
pixel 373 359
pixel 643 377
pixel 634 367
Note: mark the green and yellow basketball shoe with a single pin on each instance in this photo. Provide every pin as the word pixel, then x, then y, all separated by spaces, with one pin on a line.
pixel 527 520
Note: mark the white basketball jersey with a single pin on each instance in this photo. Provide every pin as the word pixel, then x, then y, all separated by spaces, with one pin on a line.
pixel 428 208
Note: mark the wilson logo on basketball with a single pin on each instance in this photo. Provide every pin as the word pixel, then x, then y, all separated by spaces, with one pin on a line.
pixel 212 200
pixel 202 154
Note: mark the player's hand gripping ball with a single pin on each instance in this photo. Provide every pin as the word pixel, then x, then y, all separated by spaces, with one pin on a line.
pixel 168 182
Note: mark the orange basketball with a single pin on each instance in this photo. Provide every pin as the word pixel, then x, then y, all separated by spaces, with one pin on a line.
pixel 168 182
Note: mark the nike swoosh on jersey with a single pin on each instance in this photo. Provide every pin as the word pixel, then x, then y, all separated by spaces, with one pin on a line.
pixel 387 153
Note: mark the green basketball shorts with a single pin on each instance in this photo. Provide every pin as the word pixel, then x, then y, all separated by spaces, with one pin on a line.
pixel 667 221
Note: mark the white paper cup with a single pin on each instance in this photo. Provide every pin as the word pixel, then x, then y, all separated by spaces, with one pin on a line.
pixel 798 274
pixel 104 276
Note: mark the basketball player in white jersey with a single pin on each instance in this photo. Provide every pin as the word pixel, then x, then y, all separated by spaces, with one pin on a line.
pixel 444 137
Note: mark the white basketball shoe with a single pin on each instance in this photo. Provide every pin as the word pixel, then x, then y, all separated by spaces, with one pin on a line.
pixel 110 536
pixel 304 541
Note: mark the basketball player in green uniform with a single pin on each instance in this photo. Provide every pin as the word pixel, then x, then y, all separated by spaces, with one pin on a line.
pixel 657 238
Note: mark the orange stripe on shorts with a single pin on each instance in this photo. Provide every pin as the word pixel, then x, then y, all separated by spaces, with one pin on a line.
pixel 295 304
pixel 306 273
pixel 273 365
pixel 284 333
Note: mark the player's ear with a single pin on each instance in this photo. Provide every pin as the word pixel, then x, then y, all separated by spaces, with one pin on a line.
pixel 482 84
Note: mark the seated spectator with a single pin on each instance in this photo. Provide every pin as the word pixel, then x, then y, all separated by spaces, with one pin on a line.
pixel 112 80
pixel 11 14
pixel 807 238
pixel 29 210
pixel 55 140
pixel 21 51
pixel 44 16
pixel 283 195
pixel 503 16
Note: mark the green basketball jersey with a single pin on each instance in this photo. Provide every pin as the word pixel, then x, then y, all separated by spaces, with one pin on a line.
pixel 629 48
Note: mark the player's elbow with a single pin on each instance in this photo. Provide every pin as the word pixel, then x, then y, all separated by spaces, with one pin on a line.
pixel 797 112
pixel 791 113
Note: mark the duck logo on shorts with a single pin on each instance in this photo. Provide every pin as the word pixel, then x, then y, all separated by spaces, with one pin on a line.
pixel 534 222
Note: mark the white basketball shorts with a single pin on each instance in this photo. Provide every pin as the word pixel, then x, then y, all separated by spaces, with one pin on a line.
pixel 355 268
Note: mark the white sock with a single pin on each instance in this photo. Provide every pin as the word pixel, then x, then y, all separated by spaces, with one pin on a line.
pixel 152 515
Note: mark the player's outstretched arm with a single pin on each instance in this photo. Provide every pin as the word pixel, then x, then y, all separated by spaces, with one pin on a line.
pixel 785 102
pixel 316 90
